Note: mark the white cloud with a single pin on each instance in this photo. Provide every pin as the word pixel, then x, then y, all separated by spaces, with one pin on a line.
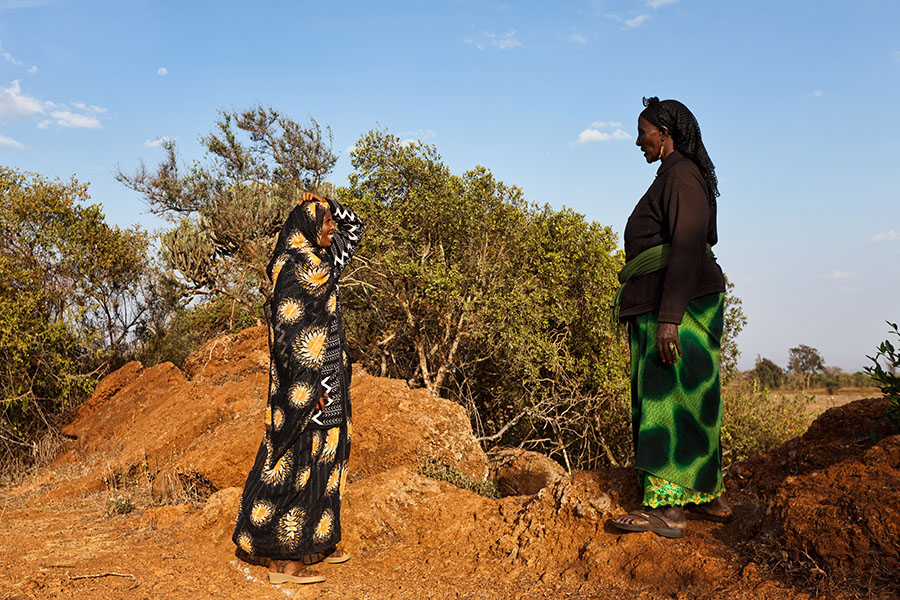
pixel 659 3
pixel 158 141
pixel 33 69
pixel 68 119
pixel 162 71
pixel 577 38
pixel 503 41
pixel 410 137
pixel 886 236
pixel 8 142
pixel 594 134
pixel 818 93
pixel 9 57
pixel 636 21
pixel 605 124
pixel 838 275
pixel 16 105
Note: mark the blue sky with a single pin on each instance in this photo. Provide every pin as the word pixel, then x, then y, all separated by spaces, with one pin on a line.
pixel 797 103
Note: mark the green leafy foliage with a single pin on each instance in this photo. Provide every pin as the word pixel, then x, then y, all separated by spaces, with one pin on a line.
pixel 735 320
pixel 886 374
pixel 71 294
pixel 451 474
pixel 769 375
pixel 756 420
pixel 228 212
pixel 805 361
pixel 462 287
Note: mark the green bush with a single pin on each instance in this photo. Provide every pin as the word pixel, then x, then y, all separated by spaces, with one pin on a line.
pixel 756 420
pixel 451 474
pixel 888 380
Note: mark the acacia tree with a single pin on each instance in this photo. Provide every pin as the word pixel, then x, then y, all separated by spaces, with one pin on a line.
pixel 228 211
pixel 805 361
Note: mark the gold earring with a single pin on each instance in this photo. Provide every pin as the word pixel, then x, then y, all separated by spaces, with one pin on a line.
pixel 662 149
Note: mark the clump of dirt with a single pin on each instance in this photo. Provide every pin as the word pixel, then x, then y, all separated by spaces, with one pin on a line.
pixel 177 445
pixel 827 504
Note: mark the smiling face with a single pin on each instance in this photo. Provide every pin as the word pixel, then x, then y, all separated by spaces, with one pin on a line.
pixel 328 229
pixel 651 140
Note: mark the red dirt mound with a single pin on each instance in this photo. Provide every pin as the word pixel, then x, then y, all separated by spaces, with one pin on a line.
pixel 93 525
pixel 830 499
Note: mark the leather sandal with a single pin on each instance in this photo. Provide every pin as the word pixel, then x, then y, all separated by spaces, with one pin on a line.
pixel 651 522
pixel 336 556
pixel 300 575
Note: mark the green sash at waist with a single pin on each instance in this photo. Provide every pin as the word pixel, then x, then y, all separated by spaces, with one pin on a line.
pixel 649 261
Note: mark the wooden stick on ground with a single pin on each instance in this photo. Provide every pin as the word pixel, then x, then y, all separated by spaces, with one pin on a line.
pixel 97 575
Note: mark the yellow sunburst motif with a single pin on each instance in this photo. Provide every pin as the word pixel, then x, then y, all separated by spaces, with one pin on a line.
pixel 316 444
pixel 268 415
pixel 276 268
pixel 313 259
pixel 245 542
pixel 334 480
pixel 331 444
pixel 331 304
pixel 290 528
pixel 311 210
pixel 324 527
pixel 290 311
pixel 302 478
pixel 297 241
pixel 261 512
pixel 277 474
pixel 300 394
pixel 309 347
pixel 344 470
pixel 314 278
pixel 277 418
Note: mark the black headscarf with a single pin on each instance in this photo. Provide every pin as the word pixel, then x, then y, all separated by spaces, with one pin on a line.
pixel 306 220
pixel 685 132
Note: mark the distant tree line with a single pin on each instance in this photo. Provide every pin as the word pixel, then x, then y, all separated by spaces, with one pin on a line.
pixel 806 368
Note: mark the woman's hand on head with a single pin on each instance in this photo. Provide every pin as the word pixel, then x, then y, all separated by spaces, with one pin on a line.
pixel 667 343
pixel 309 197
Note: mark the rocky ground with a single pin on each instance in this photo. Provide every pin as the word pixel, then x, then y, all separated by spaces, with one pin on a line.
pixel 142 502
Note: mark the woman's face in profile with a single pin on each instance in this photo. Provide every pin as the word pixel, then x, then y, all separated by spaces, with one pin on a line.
pixel 328 230
pixel 649 139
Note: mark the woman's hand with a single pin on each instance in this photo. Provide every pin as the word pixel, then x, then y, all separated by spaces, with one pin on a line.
pixel 322 402
pixel 308 197
pixel 667 343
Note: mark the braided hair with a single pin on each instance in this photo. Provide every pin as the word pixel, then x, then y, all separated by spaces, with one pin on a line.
pixel 685 132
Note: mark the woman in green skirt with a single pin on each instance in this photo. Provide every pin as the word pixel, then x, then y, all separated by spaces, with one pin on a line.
pixel 672 298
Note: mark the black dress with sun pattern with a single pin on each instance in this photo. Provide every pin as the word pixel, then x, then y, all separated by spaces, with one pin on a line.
pixel 291 502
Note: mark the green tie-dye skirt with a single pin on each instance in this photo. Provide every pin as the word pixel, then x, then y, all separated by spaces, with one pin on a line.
pixel 676 410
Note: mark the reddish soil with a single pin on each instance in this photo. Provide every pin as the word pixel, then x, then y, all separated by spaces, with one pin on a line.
pixel 170 449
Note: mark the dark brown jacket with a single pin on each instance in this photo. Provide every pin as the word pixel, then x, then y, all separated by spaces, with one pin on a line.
pixel 676 209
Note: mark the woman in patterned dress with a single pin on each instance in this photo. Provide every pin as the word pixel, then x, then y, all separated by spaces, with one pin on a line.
pixel 672 299
pixel 289 515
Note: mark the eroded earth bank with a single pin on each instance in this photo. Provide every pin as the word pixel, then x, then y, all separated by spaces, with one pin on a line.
pixel 141 505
